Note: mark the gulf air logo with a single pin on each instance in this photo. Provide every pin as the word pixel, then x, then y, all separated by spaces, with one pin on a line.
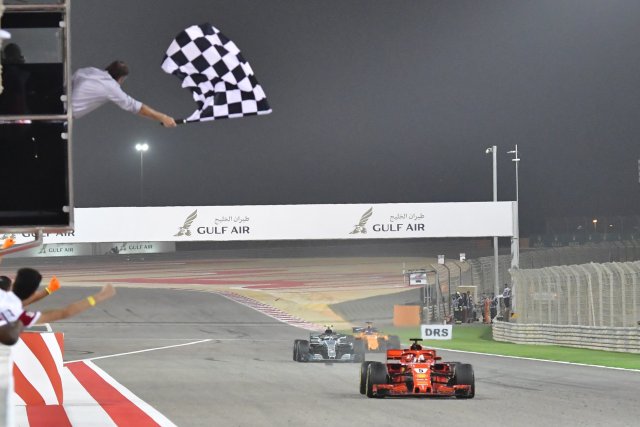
pixel 185 229
pixel 361 226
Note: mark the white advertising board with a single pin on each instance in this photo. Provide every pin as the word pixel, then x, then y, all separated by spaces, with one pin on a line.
pixel 287 222
pixel 57 250
pixel 124 248
pixel 417 278
pixel 437 332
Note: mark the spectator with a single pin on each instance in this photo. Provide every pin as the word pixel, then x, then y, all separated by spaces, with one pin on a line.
pixel 506 298
pixel 14 80
pixel 486 312
pixel 6 285
pixel 494 307
pixel 457 307
pixel 471 314
pixel 13 319
pixel 464 303
pixel 92 88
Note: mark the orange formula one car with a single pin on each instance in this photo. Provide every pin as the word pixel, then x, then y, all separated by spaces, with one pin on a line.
pixel 374 339
pixel 416 372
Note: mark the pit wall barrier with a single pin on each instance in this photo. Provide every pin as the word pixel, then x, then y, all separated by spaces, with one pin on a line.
pixel 6 387
pixel 37 367
pixel 30 373
pixel 623 339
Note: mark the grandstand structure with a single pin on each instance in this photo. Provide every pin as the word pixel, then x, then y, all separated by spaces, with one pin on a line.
pixel 35 122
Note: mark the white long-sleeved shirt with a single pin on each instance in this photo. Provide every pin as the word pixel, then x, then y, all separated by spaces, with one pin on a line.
pixel 92 88
pixel 10 307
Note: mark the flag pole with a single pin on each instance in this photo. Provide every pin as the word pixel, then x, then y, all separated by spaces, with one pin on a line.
pixel 178 122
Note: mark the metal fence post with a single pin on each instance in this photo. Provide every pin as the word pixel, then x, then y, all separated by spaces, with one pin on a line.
pixel 623 284
pixel 568 275
pixel 449 287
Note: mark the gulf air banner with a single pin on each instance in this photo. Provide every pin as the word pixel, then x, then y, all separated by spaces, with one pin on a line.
pixel 287 222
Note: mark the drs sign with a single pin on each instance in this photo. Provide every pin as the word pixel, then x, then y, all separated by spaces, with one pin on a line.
pixel 437 332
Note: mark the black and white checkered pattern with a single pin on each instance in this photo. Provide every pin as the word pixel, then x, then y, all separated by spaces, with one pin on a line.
pixel 220 79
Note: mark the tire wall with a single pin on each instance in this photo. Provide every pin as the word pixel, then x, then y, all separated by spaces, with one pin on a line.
pixel 625 340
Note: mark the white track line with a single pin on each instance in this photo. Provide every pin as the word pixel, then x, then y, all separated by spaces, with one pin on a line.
pixel 537 360
pixel 138 351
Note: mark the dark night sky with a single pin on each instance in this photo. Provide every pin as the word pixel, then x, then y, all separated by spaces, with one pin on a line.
pixel 376 102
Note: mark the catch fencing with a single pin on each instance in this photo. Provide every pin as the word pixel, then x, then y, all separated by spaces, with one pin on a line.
pixel 586 295
pixel 482 270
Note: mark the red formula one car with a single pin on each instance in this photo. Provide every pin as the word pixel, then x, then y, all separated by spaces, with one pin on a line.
pixel 416 372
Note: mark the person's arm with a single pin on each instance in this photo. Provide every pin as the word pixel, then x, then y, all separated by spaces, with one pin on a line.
pixel 77 307
pixel 10 333
pixel 148 112
pixel 118 96
pixel 54 285
pixel 8 242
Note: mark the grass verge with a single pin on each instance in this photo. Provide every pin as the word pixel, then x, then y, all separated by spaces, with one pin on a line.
pixel 478 338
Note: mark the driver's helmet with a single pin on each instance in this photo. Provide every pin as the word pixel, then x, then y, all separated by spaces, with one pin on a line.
pixel 328 331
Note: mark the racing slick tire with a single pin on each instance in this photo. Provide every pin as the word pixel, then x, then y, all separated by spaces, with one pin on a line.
pixel 302 351
pixel 376 374
pixel 363 376
pixel 394 342
pixel 295 350
pixel 359 350
pixel 464 375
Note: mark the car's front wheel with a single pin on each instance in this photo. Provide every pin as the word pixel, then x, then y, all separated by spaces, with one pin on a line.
pixel 302 352
pixel 376 374
pixel 363 376
pixel 465 376
pixel 295 350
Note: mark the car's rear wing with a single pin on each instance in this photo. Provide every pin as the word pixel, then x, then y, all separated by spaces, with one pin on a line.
pixel 363 329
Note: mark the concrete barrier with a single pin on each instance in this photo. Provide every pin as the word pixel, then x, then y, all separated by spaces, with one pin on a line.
pixel 6 386
pixel 37 367
pixel 625 339
pixel 30 372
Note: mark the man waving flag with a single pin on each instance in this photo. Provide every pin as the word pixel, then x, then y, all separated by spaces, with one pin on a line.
pixel 220 79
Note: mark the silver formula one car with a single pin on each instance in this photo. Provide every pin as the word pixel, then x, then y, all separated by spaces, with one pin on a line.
pixel 329 347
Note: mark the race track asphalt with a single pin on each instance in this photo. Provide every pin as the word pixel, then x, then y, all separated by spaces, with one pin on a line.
pixel 245 376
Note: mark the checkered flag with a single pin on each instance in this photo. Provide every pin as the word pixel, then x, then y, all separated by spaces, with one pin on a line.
pixel 220 79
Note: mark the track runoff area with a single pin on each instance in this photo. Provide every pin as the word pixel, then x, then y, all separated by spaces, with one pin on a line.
pixel 193 341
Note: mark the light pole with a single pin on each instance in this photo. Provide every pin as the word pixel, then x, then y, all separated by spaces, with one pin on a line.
pixel 515 240
pixel 142 148
pixel 444 264
pixel 494 150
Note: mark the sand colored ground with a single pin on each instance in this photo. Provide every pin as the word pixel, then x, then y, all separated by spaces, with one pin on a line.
pixel 302 287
